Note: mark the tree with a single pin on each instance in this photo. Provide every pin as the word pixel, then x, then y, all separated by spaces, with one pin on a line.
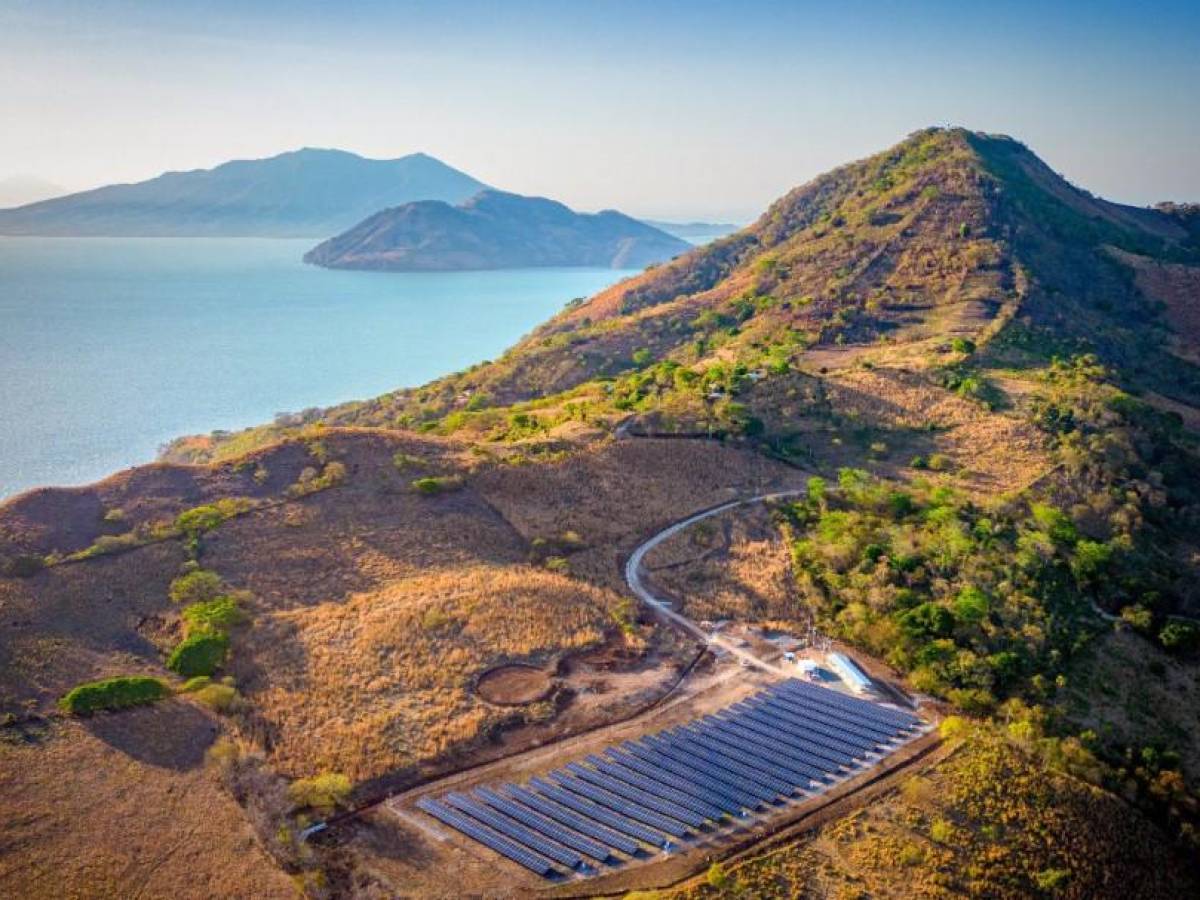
pixel 926 621
pixel 322 792
pixel 200 654
pixel 196 586
pixel 1179 636
pixel 716 877
pixel 816 492
pixel 971 604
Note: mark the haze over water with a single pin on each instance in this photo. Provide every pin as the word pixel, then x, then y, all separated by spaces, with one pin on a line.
pixel 110 347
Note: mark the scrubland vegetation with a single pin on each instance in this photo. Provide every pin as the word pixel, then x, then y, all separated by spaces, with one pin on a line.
pixel 113 693
pixel 990 821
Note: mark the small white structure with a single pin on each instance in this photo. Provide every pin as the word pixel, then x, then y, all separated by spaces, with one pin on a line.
pixel 856 679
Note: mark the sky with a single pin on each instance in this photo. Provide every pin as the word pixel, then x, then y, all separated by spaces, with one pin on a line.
pixel 675 110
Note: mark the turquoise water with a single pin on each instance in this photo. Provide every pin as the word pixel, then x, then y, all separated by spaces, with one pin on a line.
pixel 110 347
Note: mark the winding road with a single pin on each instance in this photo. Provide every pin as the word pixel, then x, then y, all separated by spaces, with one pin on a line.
pixel 662 608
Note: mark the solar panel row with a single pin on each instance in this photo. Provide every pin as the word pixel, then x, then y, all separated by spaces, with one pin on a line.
pixel 769 720
pixel 514 830
pixel 815 704
pixel 606 816
pixel 650 786
pixel 712 774
pixel 548 827
pixel 573 820
pixel 833 716
pixel 515 852
pixel 620 805
pixel 637 795
pixel 785 740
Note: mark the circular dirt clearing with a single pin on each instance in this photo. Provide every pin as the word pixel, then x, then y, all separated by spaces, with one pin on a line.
pixel 515 685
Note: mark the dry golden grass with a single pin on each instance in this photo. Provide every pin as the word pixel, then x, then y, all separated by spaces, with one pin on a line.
pixel 122 806
pixel 384 680
pixel 734 565
pixel 993 451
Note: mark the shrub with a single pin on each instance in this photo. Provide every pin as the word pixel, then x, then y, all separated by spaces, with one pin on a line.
pixel 199 654
pixel 310 481
pixel 1052 879
pixel 195 684
pixel 196 586
pixel 925 621
pixel 196 521
pixel 1179 636
pixel 941 831
pixel 218 697
pixel 716 877
pixel 216 615
pixel 971 604
pixel 114 516
pixel 437 484
pixel 962 345
pixel 322 792
pixel 24 566
pixel 113 693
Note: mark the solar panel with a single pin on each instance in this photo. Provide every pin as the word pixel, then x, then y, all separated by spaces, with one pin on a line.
pixel 777 764
pixel 693 766
pixel 619 804
pixel 748 731
pixel 731 763
pixel 501 845
pixel 837 735
pixel 808 729
pixel 695 782
pixel 637 795
pixel 651 786
pixel 831 715
pixel 762 723
pixel 573 820
pixel 512 829
pixel 864 707
pixel 781 713
pixel 900 717
pixel 676 750
pixel 548 827
pixel 623 824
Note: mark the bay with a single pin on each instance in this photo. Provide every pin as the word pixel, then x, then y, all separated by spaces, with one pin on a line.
pixel 110 347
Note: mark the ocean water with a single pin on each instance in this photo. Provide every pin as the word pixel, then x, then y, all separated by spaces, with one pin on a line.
pixel 110 347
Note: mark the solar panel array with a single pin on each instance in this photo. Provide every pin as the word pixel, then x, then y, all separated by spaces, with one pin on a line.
pixel 787 741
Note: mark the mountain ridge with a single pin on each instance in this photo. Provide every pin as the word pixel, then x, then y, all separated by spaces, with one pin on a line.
pixel 492 230
pixel 309 192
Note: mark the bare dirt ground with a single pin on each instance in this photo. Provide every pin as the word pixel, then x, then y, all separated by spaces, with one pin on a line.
pixel 515 685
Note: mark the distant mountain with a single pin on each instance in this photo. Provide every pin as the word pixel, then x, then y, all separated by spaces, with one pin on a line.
pixel 304 193
pixel 695 232
pixel 495 230
pixel 18 190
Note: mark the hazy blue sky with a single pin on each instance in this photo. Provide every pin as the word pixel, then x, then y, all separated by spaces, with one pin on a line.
pixel 693 109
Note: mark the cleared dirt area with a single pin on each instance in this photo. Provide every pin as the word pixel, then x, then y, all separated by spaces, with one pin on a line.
pixel 515 685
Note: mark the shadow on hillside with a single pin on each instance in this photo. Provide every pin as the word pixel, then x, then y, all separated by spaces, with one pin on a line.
pixel 173 735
